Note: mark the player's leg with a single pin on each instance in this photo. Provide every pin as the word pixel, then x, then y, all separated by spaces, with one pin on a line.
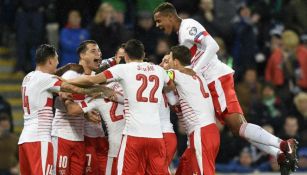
pixel 185 163
pixel 130 155
pixel 62 154
pixel 24 162
pixel 77 160
pixel 170 140
pixel 36 158
pixel 229 111
pixel 102 148
pixel 205 141
pixel 155 156
pixel 111 168
pixel 91 166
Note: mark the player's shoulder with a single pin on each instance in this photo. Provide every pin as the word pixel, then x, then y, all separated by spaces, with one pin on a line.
pixel 192 26
pixel 70 74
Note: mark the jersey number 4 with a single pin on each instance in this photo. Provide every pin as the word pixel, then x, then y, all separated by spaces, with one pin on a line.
pixel 25 100
pixel 144 79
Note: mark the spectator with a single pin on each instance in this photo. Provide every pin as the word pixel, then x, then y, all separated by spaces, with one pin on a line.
pixel 296 15
pixel 206 17
pixel 70 38
pixel 285 67
pixel 222 53
pixel 268 109
pixel 106 31
pixel 302 59
pixel 146 32
pixel 162 48
pixel 244 40
pixel 243 165
pixel 290 128
pixel 302 159
pixel 248 91
pixel 300 101
pixel 8 147
pixel 29 32
pixel 5 107
pixel 269 166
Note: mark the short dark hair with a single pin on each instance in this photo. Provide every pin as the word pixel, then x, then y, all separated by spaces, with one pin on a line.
pixel 43 53
pixel 182 54
pixel 134 49
pixel 165 7
pixel 83 46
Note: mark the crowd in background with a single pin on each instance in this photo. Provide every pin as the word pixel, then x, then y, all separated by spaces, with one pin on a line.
pixel 264 41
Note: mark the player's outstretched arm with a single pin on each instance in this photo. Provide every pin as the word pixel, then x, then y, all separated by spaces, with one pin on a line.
pixel 71 66
pixel 67 87
pixel 210 48
pixel 87 80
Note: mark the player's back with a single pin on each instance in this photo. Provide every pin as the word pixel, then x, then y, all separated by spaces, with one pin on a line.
pixel 190 33
pixel 195 100
pixel 113 116
pixel 37 105
pixel 142 83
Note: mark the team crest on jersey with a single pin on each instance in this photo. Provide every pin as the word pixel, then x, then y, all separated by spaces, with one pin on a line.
pixel 193 31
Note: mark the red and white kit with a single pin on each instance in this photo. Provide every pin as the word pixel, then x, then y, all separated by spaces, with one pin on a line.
pixel 217 74
pixel 199 120
pixel 142 143
pixel 113 115
pixel 68 138
pixel 35 148
pixel 169 135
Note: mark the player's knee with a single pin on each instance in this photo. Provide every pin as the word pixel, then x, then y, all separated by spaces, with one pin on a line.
pixel 234 122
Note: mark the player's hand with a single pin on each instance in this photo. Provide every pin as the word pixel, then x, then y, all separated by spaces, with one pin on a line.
pixel 93 116
pixel 66 95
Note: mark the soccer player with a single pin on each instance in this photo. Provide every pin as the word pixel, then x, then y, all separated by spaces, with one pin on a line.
pixel 35 148
pixel 169 135
pixel 219 76
pixel 197 111
pixel 113 116
pixel 142 143
pixel 76 140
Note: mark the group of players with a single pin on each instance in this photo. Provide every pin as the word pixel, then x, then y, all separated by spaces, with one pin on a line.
pixel 134 104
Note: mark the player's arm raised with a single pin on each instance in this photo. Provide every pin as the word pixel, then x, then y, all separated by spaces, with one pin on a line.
pixel 209 46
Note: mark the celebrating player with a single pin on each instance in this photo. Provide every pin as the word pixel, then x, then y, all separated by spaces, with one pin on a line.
pixel 197 112
pixel 219 76
pixel 142 82
pixel 35 148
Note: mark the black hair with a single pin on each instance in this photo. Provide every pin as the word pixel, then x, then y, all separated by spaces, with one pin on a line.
pixel 182 54
pixel 43 53
pixel 165 7
pixel 134 49
pixel 83 46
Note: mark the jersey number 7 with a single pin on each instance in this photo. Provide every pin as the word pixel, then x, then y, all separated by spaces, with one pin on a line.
pixel 144 79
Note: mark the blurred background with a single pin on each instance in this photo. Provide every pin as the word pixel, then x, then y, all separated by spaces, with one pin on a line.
pixel 264 41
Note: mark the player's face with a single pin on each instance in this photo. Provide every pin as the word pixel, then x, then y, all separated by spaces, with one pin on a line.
pixel 165 62
pixel 120 55
pixel 54 61
pixel 168 62
pixel 92 56
pixel 164 22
